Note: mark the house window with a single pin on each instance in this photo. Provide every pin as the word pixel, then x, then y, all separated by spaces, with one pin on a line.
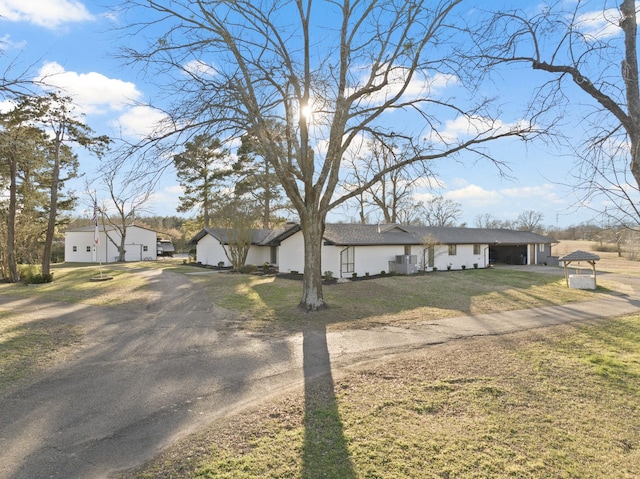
pixel 476 249
pixel 88 249
pixel 348 260
pixel 145 248
pixel 541 247
pixel 453 249
pixel 407 249
pixel 75 249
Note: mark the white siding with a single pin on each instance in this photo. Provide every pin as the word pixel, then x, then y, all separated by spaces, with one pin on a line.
pixel 80 240
pixel 209 251
pixel 464 256
pixel 106 251
pixel 258 255
pixel 291 255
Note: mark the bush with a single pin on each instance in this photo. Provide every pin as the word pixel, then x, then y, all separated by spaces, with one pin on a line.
pixel 30 274
pixel 354 275
pixel 475 265
pixel 383 272
pixel 248 268
pixel 434 269
pixel 328 275
pixel 464 266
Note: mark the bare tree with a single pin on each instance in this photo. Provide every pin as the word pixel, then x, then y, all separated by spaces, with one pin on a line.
pixel 391 198
pixel 329 73
pixel 127 193
pixel 237 217
pixel 590 53
pixel 530 220
pixel 488 221
pixel 440 211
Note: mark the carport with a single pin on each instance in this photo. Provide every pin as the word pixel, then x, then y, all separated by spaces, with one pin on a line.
pixel 508 253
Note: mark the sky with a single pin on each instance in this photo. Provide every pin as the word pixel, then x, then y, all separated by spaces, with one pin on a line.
pixel 74 44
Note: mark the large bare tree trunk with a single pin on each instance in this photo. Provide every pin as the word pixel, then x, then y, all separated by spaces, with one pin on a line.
pixel 312 232
pixel 630 74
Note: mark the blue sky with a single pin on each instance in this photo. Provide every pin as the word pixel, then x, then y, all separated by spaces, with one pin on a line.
pixel 73 42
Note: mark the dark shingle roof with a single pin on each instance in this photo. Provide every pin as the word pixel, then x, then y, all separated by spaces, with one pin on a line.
pixel 580 256
pixel 358 234
pixel 346 234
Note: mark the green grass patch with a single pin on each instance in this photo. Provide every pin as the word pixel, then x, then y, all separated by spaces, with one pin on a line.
pixel 531 404
pixel 72 283
pixel 29 344
pixel 268 302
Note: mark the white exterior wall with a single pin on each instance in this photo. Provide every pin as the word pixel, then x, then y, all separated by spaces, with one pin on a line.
pixel 258 255
pixel 106 251
pixel 291 254
pixel 372 259
pixel 140 244
pixel 464 256
pixel 209 251
pixel 81 240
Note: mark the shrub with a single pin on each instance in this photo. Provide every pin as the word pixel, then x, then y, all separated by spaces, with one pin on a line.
pixel 220 264
pixel 248 268
pixel 294 271
pixel 383 272
pixel 328 275
pixel 30 274
pixel 367 273
pixel 475 265
pixel 464 266
pixel 434 269
pixel 354 275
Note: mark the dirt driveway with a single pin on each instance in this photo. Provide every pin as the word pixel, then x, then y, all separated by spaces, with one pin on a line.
pixel 146 377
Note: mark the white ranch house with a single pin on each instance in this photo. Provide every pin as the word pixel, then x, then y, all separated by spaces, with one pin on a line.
pixel 80 247
pixel 362 249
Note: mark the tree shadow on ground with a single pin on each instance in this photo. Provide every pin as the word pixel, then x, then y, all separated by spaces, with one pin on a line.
pixel 325 451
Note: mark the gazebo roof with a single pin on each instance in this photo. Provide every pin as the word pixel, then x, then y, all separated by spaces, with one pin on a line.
pixel 580 256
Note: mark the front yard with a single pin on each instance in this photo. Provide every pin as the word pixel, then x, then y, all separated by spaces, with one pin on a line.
pixel 558 402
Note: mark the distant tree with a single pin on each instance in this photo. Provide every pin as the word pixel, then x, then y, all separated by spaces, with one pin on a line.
pixel 440 211
pixel 391 198
pixel 257 181
pixel 201 169
pixel 530 221
pixel 488 221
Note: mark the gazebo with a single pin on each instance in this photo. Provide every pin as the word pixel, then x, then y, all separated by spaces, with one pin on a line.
pixel 580 281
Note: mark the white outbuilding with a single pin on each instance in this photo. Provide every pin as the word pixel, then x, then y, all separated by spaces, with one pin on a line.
pixel 80 245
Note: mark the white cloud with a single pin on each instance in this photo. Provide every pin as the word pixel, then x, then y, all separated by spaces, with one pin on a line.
pixel 473 126
pixel 397 80
pixel 44 13
pixel 92 92
pixel 141 121
pixel 474 193
pixel 200 69
pixel 599 24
